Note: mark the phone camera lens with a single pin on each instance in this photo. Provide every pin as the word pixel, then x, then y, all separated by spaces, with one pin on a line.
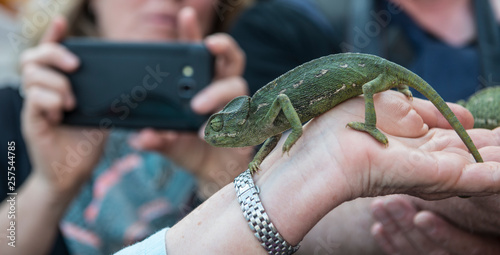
pixel 187 71
pixel 186 88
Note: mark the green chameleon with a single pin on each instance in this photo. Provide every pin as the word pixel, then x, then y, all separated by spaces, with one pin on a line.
pixel 310 90
pixel 485 107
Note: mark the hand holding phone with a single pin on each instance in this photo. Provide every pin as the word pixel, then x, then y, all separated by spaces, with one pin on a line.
pixel 138 85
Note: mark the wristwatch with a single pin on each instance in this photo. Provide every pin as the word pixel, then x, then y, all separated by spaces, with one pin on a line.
pixel 258 220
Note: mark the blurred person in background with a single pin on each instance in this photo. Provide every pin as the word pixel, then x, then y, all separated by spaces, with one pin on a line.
pixel 453 45
pixel 132 192
pixel 315 242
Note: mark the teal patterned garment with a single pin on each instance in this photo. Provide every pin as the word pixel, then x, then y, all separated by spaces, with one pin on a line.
pixel 131 195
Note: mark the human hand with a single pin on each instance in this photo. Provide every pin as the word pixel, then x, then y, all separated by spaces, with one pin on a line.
pixel 331 164
pixel 298 190
pixel 190 150
pixel 402 229
pixel 62 157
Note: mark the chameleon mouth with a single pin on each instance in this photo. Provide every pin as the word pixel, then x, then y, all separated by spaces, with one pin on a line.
pixel 219 141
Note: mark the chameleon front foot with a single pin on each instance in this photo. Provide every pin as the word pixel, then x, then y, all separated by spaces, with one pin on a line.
pixel 289 143
pixel 373 131
pixel 254 166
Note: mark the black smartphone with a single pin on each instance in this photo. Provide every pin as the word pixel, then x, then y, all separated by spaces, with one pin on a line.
pixel 138 85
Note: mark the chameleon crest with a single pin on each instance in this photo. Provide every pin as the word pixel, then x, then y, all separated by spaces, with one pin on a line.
pixel 226 126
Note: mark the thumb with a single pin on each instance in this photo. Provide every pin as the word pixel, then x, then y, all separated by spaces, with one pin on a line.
pixel 56 31
pixel 188 27
pixel 149 139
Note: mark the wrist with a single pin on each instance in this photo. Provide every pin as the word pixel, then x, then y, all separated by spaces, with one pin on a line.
pixel 296 203
pixel 53 193
pixel 218 220
pixel 46 196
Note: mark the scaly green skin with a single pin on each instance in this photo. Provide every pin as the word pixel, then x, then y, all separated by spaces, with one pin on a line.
pixel 485 107
pixel 310 90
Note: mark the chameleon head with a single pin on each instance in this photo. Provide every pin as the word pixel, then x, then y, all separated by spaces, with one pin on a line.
pixel 226 128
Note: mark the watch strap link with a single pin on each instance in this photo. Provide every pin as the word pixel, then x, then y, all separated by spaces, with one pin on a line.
pixel 258 220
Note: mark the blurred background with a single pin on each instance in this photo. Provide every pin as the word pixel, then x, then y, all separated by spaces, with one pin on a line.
pixel 9 10
pixel 22 22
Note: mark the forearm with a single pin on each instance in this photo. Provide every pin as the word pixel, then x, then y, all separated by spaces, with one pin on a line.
pixel 37 214
pixel 217 221
pixel 218 225
pixel 345 230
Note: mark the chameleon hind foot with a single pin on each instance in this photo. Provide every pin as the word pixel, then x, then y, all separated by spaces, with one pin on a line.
pixel 373 131
pixel 406 91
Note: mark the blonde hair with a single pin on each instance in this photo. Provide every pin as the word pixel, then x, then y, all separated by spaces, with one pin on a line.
pixel 82 22
pixel 36 16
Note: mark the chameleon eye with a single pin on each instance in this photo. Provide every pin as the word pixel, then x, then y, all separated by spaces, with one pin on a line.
pixel 217 123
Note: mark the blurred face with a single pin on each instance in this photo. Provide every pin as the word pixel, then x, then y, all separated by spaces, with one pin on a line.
pixel 148 20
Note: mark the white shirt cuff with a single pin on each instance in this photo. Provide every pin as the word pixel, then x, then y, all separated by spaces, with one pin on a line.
pixel 153 245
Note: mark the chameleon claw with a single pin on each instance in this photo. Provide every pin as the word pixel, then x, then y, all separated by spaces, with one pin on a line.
pixel 373 131
pixel 406 91
pixel 286 149
pixel 254 167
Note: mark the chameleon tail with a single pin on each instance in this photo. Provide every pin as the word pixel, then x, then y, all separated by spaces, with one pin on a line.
pixel 423 87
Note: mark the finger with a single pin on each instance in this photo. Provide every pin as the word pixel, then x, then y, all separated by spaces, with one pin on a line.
pixel 394 218
pixel 452 174
pixel 50 54
pixel 230 59
pixel 185 149
pixel 447 140
pixel 36 75
pixel 42 108
pixel 483 177
pixel 397 115
pixel 445 169
pixel 188 26
pixel 56 30
pixel 218 94
pixel 480 137
pixel 380 237
pixel 452 239
pixel 484 137
pixel 434 118
pixel 402 213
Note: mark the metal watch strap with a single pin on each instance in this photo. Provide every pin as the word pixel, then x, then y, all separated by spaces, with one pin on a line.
pixel 266 233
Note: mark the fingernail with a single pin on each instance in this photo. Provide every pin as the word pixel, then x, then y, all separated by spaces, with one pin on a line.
pixel 212 40
pixel 198 103
pixel 424 223
pixel 396 210
pixel 188 9
pixel 71 60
